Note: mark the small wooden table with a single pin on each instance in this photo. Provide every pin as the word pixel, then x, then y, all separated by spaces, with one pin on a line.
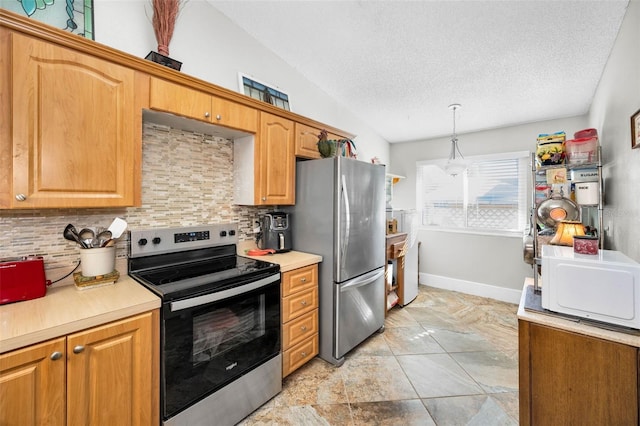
pixel 396 248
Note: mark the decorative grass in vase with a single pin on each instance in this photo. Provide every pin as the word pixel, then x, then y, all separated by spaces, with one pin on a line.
pixel 165 14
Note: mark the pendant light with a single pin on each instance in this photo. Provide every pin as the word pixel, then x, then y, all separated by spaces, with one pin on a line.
pixel 456 164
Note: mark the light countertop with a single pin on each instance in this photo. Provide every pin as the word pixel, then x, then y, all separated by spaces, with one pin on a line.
pixel 557 321
pixel 64 310
pixel 288 261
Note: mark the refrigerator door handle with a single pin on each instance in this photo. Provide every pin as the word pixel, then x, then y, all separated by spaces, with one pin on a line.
pixel 347 225
pixel 362 281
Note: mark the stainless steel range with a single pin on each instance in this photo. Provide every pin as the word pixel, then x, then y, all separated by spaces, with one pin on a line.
pixel 220 322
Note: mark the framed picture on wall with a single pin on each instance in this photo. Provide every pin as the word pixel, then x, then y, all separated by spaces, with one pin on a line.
pixel 74 16
pixel 635 130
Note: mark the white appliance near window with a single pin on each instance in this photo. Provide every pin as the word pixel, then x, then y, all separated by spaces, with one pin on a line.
pixel 408 223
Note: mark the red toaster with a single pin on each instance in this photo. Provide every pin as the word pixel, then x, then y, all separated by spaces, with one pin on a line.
pixel 22 278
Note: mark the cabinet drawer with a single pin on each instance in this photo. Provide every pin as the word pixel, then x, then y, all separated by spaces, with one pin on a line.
pixel 299 355
pixel 299 304
pixel 299 329
pixel 299 279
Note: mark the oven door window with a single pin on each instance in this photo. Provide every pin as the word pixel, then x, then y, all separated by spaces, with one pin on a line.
pixel 206 347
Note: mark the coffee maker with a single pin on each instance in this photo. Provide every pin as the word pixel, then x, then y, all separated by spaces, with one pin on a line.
pixel 275 232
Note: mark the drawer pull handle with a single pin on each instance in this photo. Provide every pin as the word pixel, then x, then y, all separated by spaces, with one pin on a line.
pixel 303 303
pixel 303 279
pixel 78 349
pixel 303 354
pixel 303 328
pixel 56 356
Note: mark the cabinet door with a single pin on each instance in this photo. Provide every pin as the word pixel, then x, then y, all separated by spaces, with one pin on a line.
pixel 177 99
pixel 576 379
pixel 74 138
pixel 306 141
pixel 275 165
pixel 190 103
pixel 32 387
pixel 231 114
pixel 112 376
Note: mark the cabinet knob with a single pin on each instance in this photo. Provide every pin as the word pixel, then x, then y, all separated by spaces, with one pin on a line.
pixel 303 354
pixel 303 279
pixel 303 328
pixel 78 349
pixel 21 197
pixel 56 356
pixel 303 303
pixel 264 198
pixel 206 114
pixel 218 117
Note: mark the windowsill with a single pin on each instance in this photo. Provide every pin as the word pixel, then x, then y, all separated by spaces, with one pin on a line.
pixel 503 234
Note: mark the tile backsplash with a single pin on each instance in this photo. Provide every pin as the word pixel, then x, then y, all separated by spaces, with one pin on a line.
pixel 187 179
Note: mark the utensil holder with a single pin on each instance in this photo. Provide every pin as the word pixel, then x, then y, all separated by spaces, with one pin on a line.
pixel 97 261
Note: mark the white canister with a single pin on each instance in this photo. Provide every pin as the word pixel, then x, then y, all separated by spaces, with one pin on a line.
pixel 97 261
pixel 586 193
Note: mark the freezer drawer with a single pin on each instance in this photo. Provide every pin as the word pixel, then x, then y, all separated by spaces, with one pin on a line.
pixel 359 310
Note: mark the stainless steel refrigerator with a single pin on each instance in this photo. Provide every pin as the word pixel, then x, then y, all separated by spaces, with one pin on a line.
pixel 340 215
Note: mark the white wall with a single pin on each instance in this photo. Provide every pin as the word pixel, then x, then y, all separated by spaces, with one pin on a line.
pixel 214 49
pixel 617 98
pixel 478 264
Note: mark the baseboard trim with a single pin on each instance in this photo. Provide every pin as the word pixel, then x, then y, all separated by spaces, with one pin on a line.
pixel 471 287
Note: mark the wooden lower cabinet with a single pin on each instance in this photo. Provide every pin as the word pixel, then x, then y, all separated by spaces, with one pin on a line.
pixel 106 375
pixel 572 379
pixel 299 317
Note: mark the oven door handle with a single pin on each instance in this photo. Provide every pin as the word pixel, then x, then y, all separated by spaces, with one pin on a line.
pixel 224 294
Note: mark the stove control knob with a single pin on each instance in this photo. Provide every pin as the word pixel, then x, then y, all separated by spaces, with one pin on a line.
pixel 232 232
pixel 156 240
pixel 142 242
pixel 223 233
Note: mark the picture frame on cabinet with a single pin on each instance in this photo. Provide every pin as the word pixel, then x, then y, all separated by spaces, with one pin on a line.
pixel 75 17
pixel 262 91
pixel 635 130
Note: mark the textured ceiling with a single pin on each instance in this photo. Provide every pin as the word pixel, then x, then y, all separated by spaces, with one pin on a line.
pixel 399 64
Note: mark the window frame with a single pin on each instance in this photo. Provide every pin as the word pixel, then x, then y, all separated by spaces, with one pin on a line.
pixel 524 157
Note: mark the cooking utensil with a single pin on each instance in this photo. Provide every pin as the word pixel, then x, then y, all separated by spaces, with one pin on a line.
pixel 103 237
pixel 108 243
pixel 70 233
pixel 557 208
pixel 88 236
pixel 117 227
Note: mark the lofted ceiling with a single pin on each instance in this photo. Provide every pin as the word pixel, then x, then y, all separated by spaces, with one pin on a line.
pixel 398 64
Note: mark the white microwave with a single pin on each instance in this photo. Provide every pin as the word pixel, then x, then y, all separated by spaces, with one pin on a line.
pixel 603 287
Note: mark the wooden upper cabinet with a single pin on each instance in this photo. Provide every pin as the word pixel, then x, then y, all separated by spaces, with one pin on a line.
pixel 181 100
pixel 306 141
pixel 306 144
pixel 32 385
pixel 275 163
pixel 75 139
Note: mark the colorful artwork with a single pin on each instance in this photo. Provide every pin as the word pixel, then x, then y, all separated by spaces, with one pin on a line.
pixel 75 16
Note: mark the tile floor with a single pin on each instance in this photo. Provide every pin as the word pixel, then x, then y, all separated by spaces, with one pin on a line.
pixel 445 359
